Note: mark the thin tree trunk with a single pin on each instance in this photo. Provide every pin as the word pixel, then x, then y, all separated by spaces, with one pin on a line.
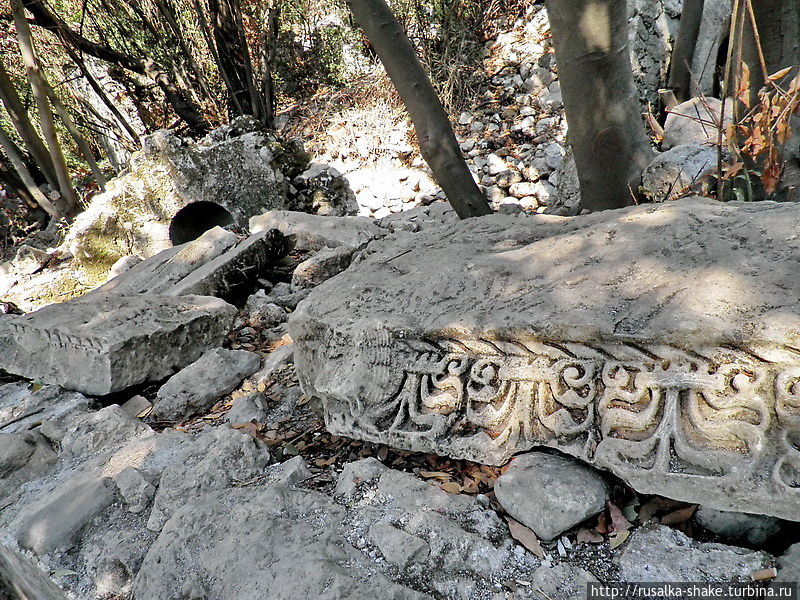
pixel 436 138
pixel 76 136
pixel 33 190
pixel 46 122
pixel 19 118
pixel 181 104
pixel 212 48
pixel 606 130
pixel 229 52
pixel 680 72
pixel 268 51
pixel 98 89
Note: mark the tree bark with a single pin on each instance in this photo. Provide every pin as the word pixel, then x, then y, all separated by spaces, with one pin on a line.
pixel 680 71
pixel 183 106
pixel 232 55
pixel 69 201
pixel 19 118
pixel 436 138
pixel 22 171
pixel 606 130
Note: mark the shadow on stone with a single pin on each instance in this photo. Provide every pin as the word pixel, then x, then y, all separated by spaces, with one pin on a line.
pixel 193 220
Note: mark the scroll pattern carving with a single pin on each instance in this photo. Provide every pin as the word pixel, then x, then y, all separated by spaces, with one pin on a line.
pixel 718 413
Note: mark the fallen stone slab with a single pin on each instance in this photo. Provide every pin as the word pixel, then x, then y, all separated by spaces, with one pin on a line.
pixel 238 266
pixel 314 232
pixel 660 342
pixel 215 264
pixel 109 342
pixel 57 522
pixel 20 578
pixel 198 386
pixel 657 553
pixel 322 266
pixel 161 272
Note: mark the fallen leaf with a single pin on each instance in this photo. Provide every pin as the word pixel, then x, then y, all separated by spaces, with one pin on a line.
pixel 618 538
pixel 383 453
pixel 678 516
pixel 587 536
pixel 525 536
pixel 618 521
pixel 434 474
pixel 451 487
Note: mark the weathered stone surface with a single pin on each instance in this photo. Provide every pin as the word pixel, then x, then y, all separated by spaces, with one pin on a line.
pixel 321 267
pixel 550 494
pixel 21 578
pixel 57 522
pixel 163 271
pixel 213 462
pixel 560 582
pixel 789 565
pixel 109 342
pixel 658 553
pixel 237 267
pixel 313 232
pixel 26 260
pixel 21 408
pixel 739 528
pixel 657 342
pixel 135 489
pixel 234 169
pixel 673 173
pixel 693 122
pixel 198 386
pixel 248 408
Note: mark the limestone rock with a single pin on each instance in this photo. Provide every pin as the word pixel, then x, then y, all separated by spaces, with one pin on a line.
pixel 15 450
pixel 173 190
pixel 135 489
pixel 287 547
pixel 211 463
pixel 789 565
pixel 57 522
pixel 26 260
pixel 734 528
pixel 109 342
pixel 19 577
pixel 559 582
pixel 550 494
pixel 321 267
pixel 658 553
pixel 692 122
pixel 652 341
pixel 313 232
pixel 263 313
pixel 398 547
pixel 248 408
pixel 235 269
pixel 21 408
pixel 673 173
pixel 198 386
pixel 163 271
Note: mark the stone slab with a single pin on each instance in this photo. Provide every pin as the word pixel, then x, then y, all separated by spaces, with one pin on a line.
pixel 163 271
pixel 660 342
pixel 109 342
pixel 313 232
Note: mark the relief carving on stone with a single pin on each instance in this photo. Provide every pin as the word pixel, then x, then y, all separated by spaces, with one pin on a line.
pixel 719 413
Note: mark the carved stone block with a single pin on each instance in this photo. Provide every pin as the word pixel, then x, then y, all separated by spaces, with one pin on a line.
pixel 108 342
pixel 659 342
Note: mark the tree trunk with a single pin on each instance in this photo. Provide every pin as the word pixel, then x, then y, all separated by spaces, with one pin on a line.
pixel 177 98
pixel 69 201
pixel 436 138
pixel 269 46
pixel 680 71
pixel 19 118
pixel 606 130
pixel 232 55
pixel 22 171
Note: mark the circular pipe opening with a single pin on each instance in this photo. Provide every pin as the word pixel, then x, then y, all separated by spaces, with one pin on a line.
pixel 193 220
